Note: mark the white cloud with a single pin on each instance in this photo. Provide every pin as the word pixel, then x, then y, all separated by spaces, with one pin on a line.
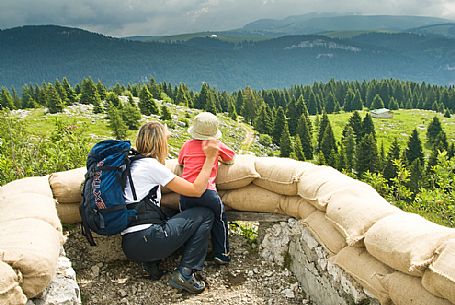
pixel 160 17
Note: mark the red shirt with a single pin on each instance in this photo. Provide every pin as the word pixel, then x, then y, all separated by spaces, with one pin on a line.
pixel 192 158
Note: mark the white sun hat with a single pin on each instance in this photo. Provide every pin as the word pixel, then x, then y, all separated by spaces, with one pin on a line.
pixel 205 126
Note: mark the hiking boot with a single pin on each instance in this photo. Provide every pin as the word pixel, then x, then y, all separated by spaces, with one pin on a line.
pixel 153 270
pixel 222 259
pixel 191 285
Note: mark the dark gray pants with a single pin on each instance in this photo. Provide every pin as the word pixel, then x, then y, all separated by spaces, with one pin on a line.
pixel 189 229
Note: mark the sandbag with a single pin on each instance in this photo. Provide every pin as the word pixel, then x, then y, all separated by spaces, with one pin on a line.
pixel 29 205
pixel 36 185
pixel 253 199
pixel 404 289
pixel 324 232
pixel 237 175
pixel 319 183
pixel 439 278
pixel 364 268
pixel 31 246
pixel 176 168
pixel 66 186
pixel 354 210
pixel 10 290
pixel 69 212
pixel 280 175
pixel 406 242
pixel 295 206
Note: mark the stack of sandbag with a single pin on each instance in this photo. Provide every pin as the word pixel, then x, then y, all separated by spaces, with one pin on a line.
pixel 66 188
pixel 30 239
pixel 379 245
pixel 414 247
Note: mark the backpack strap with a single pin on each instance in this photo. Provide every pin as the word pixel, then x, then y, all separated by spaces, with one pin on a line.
pixel 133 156
pixel 147 210
pixel 85 229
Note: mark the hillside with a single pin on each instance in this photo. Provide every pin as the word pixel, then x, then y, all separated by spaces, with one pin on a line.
pixel 36 54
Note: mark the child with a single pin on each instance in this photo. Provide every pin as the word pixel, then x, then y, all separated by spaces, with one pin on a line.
pixel 191 156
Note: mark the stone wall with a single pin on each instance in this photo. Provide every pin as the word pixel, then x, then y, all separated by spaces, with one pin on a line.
pixel 292 245
pixel 63 290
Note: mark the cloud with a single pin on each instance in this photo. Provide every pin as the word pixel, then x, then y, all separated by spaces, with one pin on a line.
pixel 165 17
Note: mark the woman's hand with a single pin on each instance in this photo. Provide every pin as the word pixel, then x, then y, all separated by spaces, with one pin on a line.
pixel 210 148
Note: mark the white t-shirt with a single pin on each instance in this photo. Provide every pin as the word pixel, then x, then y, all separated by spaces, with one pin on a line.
pixel 146 173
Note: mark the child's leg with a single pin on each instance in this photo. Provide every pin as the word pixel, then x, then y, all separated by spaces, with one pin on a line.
pixel 211 200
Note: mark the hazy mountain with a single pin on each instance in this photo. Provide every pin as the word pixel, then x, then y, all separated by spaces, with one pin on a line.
pixel 314 23
pixel 34 54
pixel 445 29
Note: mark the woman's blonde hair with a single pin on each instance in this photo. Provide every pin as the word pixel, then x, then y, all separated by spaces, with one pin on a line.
pixel 151 141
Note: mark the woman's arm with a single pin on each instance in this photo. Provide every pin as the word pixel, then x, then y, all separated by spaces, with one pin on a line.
pixel 197 188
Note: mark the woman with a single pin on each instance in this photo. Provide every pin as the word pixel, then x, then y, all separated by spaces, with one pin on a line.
pixel 152 237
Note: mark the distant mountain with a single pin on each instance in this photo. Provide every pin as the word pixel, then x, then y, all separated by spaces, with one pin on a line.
pixel 445 29
pixel 35 54
pixel 316 24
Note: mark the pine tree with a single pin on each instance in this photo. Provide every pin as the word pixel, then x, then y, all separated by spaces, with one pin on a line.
pixel 278 128
pixel 348 98
pixel 263 123
pixel 54 103
pixel 393 104
pixel 447 113
pixel 434 128
pixel 322 126
pixel 6 101
pixel 286 147
pixel 298 149
pixel 377 102
pixel 101 89
pixel 165 113
pixel 89 93
pixel 368 125
pixel 147 104
pixel 356 103
pixel 414 149
pixel 330 105
pixel 416 176
pixel 61 92
pixel 116 123
pixel 312 104
pixel 69 91
pixel 112 97
pixel 355 121
pixel 390 169
pixel 27 98
pixel 328 146
pixel 232 112
pixel 348 144
pixel 366 155
pixel 239 104
pixel 250 105
pixel 131 115
pixel 304 134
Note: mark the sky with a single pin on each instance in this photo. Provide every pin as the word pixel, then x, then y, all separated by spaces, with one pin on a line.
pixel 160 17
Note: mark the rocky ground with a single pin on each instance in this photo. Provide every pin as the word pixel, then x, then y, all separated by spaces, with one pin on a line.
pixel 246 280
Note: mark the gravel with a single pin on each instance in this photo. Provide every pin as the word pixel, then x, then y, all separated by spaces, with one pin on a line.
pixel 246 280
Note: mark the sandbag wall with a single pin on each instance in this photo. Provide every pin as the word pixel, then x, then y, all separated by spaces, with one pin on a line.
pixel 399 257
pixel 30 239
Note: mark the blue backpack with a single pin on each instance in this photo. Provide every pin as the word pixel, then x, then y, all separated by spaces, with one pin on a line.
pixel 103 208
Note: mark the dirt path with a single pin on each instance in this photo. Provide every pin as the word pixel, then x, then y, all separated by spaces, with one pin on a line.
pixel 249 138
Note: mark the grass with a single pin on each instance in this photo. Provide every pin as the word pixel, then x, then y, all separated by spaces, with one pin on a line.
pixel 400 126
pixel 39 124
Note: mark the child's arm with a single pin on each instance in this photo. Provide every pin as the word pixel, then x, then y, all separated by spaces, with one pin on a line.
pixel 225 154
